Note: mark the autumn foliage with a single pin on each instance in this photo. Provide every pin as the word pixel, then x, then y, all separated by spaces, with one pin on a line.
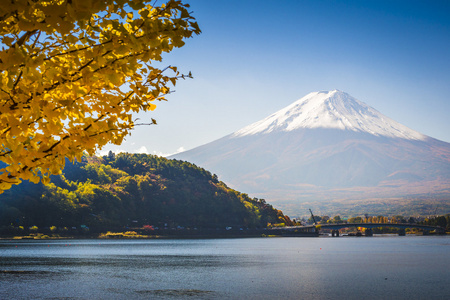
pixel 134 190
pixel 74 71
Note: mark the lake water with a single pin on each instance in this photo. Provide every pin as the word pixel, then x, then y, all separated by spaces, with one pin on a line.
pixel 411 267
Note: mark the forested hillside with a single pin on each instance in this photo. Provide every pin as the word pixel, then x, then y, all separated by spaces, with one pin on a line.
pixel 133 190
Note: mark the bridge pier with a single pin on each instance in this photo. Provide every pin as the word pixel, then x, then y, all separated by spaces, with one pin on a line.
pixel 335 233
pixel 426 232
pixel 440 231
pixel 401 232
pixel 368 232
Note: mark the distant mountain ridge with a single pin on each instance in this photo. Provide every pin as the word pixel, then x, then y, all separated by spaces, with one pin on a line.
pixel 327 146
pixel 116 192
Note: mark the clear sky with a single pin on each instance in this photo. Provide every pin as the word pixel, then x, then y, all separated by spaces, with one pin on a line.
pixel 256 57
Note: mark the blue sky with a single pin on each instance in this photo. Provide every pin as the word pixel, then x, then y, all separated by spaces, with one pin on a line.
pixel 256 57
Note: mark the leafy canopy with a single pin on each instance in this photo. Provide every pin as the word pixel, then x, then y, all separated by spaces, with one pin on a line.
pixel 117 191
pixel 74 71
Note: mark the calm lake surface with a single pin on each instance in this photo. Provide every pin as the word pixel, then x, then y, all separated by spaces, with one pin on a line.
pixel 379 267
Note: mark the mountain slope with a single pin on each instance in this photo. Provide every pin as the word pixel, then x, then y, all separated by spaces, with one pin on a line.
pixel 133 190
pixel 325 146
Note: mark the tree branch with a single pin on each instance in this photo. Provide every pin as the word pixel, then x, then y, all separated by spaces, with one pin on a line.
pixel 24 38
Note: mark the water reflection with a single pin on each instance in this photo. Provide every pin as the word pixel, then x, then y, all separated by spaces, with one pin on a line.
pixel 292 268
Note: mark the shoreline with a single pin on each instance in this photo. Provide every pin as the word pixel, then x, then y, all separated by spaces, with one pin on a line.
pixel 162 235
pixel 184 237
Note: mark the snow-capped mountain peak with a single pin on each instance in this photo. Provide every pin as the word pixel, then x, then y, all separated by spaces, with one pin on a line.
pixel 334 110
pixel 327 147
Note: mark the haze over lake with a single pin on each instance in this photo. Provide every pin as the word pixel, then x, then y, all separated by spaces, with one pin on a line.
pixel 381 267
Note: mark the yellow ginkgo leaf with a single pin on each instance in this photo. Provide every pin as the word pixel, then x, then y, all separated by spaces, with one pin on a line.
pixel 63 64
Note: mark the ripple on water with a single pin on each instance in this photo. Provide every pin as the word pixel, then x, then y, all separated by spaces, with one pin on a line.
pixel 175 292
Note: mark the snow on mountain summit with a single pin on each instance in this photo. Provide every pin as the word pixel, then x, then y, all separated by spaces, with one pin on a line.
pixel 330 109
pixel 327 148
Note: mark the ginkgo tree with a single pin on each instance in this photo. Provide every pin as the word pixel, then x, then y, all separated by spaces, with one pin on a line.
pixel 73 72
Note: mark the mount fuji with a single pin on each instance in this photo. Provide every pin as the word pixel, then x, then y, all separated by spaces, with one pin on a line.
pixel 328 147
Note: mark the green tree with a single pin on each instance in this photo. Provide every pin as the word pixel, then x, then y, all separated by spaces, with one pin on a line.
pixel 337 219
pixel 355 220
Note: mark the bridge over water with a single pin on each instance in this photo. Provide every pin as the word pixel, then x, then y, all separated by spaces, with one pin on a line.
pixel 312 230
